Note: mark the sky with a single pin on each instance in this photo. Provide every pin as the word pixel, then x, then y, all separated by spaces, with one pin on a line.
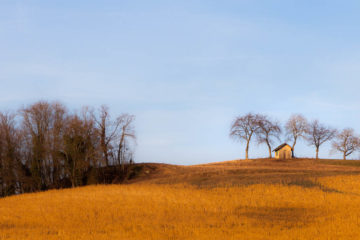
pixel 187 68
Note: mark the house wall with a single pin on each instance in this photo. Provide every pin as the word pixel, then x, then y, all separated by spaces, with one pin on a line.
pixel 284 153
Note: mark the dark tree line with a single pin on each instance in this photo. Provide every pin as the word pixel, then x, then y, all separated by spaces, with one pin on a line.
pixel 45 146
pixel 266 131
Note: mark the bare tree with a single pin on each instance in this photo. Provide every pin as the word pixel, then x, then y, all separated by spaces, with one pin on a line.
pixel 10 158
pixel 296 128
pixel 125 122
pixel 36 123
pixel 79 151
pixel 48 147
pixel 346 142
pixel 43 127
pixel 244 127
pixel 108 131
pixel 55 142
pixel 268 131
pixel 317 134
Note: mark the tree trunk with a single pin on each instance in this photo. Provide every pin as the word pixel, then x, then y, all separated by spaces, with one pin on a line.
pixel 123 158
pixel 269 146
pixel 104 147
pixel 73 178
pixel 317 153
pixel 121 145
pixel 293 148
pixel 344 155
pixel 247 150
pixel 120 149
pixel 106 156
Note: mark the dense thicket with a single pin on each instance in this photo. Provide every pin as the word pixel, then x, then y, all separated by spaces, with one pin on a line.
pixel 45 146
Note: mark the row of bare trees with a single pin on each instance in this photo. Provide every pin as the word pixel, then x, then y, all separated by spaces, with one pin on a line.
pixel 45 146
pixel 267 131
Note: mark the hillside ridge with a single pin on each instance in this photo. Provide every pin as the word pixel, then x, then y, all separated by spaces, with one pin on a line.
pixel 241 172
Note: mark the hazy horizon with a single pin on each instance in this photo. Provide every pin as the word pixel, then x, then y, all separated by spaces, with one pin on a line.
pixel 186 69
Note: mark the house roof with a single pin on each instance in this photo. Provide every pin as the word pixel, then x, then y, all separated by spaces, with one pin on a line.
pixel 281 146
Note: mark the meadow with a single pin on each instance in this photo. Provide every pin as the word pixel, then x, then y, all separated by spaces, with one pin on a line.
pixel 315 207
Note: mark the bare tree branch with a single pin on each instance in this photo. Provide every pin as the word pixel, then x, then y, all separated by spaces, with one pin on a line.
pixel 268 131
pixel 296 128
pixel 317 134
pixel 244 127
pixel 346 142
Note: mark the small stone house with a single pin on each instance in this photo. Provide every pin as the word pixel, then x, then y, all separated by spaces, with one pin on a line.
pixel 284 151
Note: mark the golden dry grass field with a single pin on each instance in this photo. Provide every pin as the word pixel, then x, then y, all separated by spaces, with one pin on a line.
pixel 255 199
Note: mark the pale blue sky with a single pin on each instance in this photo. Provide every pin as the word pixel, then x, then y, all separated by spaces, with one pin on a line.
pixel 186 68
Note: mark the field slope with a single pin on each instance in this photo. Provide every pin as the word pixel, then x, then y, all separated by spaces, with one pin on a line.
pixel 252 199
pixel 243 172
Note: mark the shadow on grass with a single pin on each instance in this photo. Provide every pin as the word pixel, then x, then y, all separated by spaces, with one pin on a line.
pixel 307 183
pixel 286 217
pixel 351 163
pixel 208 182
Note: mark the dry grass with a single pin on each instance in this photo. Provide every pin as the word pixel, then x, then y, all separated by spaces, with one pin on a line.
pixel 147 211
pixel 312 207
pixel 244 172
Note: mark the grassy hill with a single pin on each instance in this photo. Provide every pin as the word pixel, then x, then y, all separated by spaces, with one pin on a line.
pixel 242 172
pixel 243 199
